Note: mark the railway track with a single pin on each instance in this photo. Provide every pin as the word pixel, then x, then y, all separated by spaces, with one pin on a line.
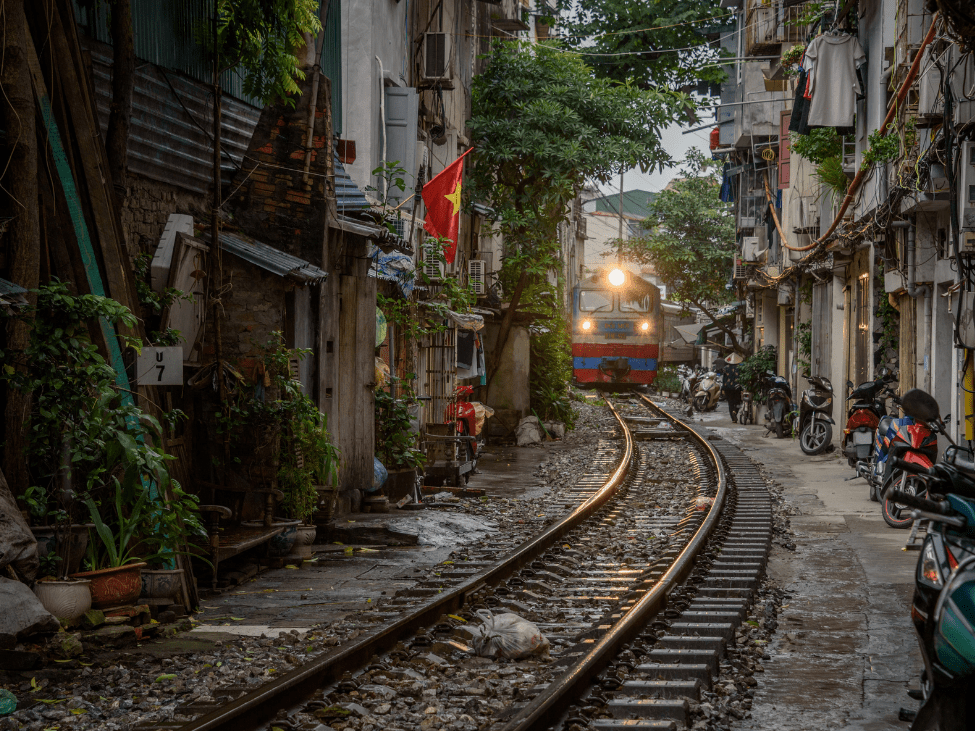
pixel 638 589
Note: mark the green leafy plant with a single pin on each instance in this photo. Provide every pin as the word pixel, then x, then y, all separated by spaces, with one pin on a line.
pixel 551 370
pixel 888 346
pixel 818 146
pixel 49 565
pixel 754 367
pixel 154 303
pixel 299 481
pixel 667 378
pixel 804 341
pixel 881 149
pixel 831 174
pixel 396 443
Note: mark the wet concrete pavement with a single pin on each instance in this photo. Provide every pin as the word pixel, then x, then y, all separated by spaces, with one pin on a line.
pixel 844 654
pixel 344 579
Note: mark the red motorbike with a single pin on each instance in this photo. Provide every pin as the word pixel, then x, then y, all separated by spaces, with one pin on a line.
pixel 868 408
pixel 465 413
pixel 911 440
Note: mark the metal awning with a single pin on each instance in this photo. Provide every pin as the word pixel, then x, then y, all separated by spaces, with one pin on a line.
pixel 12 296
pixel 689 333
pixel 270 259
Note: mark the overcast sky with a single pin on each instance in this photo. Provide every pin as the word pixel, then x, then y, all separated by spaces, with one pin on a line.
pixel 677 145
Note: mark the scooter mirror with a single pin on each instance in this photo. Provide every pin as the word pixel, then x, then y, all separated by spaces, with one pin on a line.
pixel 921 405
pixel 946 417
pixel 849 384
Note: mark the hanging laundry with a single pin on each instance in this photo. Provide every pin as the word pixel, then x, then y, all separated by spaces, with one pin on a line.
pixel 799 122
pixel 834 84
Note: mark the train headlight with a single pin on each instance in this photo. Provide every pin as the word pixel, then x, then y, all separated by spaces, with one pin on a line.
pixel 645 326
pixel 617 277
pixel 586 325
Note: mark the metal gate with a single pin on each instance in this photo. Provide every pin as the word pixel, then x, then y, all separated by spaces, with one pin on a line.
pixel 820 356
pixel 439 364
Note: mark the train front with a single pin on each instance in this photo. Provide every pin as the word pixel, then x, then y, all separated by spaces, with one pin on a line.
pixel 616 329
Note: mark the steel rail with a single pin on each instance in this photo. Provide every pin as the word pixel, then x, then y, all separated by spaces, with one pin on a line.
pixel 548 707
pixel 261 705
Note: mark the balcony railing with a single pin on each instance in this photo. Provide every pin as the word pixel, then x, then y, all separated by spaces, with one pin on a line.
pixel 769 24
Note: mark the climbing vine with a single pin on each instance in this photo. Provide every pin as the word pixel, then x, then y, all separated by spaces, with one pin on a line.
pixel 888 346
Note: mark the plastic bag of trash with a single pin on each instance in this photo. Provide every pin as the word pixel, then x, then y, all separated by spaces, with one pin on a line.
pixel 507 636
pixel 379 475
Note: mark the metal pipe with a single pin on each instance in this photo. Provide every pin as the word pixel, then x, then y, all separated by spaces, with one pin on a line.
pixel 914 291
pixel 382 122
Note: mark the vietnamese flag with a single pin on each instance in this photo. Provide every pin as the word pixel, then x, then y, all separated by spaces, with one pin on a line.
pixel 442 198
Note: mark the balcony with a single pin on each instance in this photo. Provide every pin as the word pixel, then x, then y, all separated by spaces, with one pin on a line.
pixel 769 24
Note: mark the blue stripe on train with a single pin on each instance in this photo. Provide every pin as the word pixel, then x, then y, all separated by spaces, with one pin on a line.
pixel 636 364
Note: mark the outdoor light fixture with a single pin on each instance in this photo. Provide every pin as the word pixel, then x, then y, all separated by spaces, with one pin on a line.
pixel 586 324
pixel 645 326
pixel 617 277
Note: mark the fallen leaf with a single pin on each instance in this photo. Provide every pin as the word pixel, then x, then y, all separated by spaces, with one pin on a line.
pixel 752 622
pixel 34 687
pixel 291 566
pixel 459 619
pixel 167 676
pixel 78 711
pixel 237 619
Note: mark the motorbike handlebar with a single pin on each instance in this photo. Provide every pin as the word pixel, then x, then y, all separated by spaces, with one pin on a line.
pixel 929 506
pixel 914 469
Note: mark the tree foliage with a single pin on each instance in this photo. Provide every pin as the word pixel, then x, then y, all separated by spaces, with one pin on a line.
pixel 690 239
pixel 262 37
pixel 542 124
pixel 642 33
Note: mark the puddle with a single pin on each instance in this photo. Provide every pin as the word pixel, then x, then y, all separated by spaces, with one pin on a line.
pixel 445 529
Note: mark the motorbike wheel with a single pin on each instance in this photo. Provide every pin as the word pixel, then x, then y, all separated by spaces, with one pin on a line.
pixel 896 515
pixel 779 429
pixel 815 436
pixel 701 403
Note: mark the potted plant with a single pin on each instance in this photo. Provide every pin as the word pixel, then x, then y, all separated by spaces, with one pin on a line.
pixel 66 599
pixel 396 441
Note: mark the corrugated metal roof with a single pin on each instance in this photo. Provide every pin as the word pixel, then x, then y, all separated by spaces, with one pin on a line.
pixel 270 259
pixel 165 33
pixel 348 197
pixel 12 295
pixel 165 143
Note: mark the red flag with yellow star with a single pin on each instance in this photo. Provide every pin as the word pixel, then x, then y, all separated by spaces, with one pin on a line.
pixel 442 198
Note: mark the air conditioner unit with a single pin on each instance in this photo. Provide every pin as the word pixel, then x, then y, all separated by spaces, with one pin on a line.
pixel 476 276
pixel 740 271
pixel 966 187
pixel 436 56
pixel 434 270
pixel 752 250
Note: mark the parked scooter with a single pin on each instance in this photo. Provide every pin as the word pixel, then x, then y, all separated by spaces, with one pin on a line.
pixel 778 402
pixel 688 382
pixel 815 422
pixel 708 392
pixel 944 593
pixel 746 411
pixel 864 414
pixel 913 439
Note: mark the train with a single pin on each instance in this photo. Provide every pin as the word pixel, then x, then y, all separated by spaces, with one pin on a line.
pixel 617 325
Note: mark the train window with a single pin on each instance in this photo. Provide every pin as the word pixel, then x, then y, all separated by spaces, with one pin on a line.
pixel 594 301
pixel 641 304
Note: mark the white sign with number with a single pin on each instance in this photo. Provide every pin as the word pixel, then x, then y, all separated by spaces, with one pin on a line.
pixel 160 367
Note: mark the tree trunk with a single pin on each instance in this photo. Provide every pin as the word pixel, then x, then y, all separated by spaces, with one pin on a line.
pixel 505 329
pixel 23 237
pixel 735 345
pixel 123 84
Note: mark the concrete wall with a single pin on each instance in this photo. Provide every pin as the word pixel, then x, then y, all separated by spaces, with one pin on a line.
pixel 508 394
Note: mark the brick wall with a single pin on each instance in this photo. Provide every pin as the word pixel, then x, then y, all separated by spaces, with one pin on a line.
pixel 147 205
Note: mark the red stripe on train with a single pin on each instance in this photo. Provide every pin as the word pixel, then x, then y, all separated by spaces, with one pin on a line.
pixel 597 350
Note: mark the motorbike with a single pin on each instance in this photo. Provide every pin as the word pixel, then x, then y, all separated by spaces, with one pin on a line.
pixel 746 412
pixel 815 425
pixel 864 414
pixel 911 439
pixel 688 382
pixel 469 417
pixel 944 594
pixel 708 392
pixel 778 402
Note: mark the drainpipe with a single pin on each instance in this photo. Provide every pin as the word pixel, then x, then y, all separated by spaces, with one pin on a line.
pixel 382 122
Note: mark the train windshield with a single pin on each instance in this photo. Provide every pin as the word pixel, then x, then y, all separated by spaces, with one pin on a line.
pixel 594 301
pixel 640 304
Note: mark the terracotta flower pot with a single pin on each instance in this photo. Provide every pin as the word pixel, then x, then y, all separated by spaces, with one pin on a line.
pixel 306 537
pixel 114 587
pixel 65 599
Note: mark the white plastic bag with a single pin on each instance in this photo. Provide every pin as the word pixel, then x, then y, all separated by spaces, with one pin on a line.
pixel 507 636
